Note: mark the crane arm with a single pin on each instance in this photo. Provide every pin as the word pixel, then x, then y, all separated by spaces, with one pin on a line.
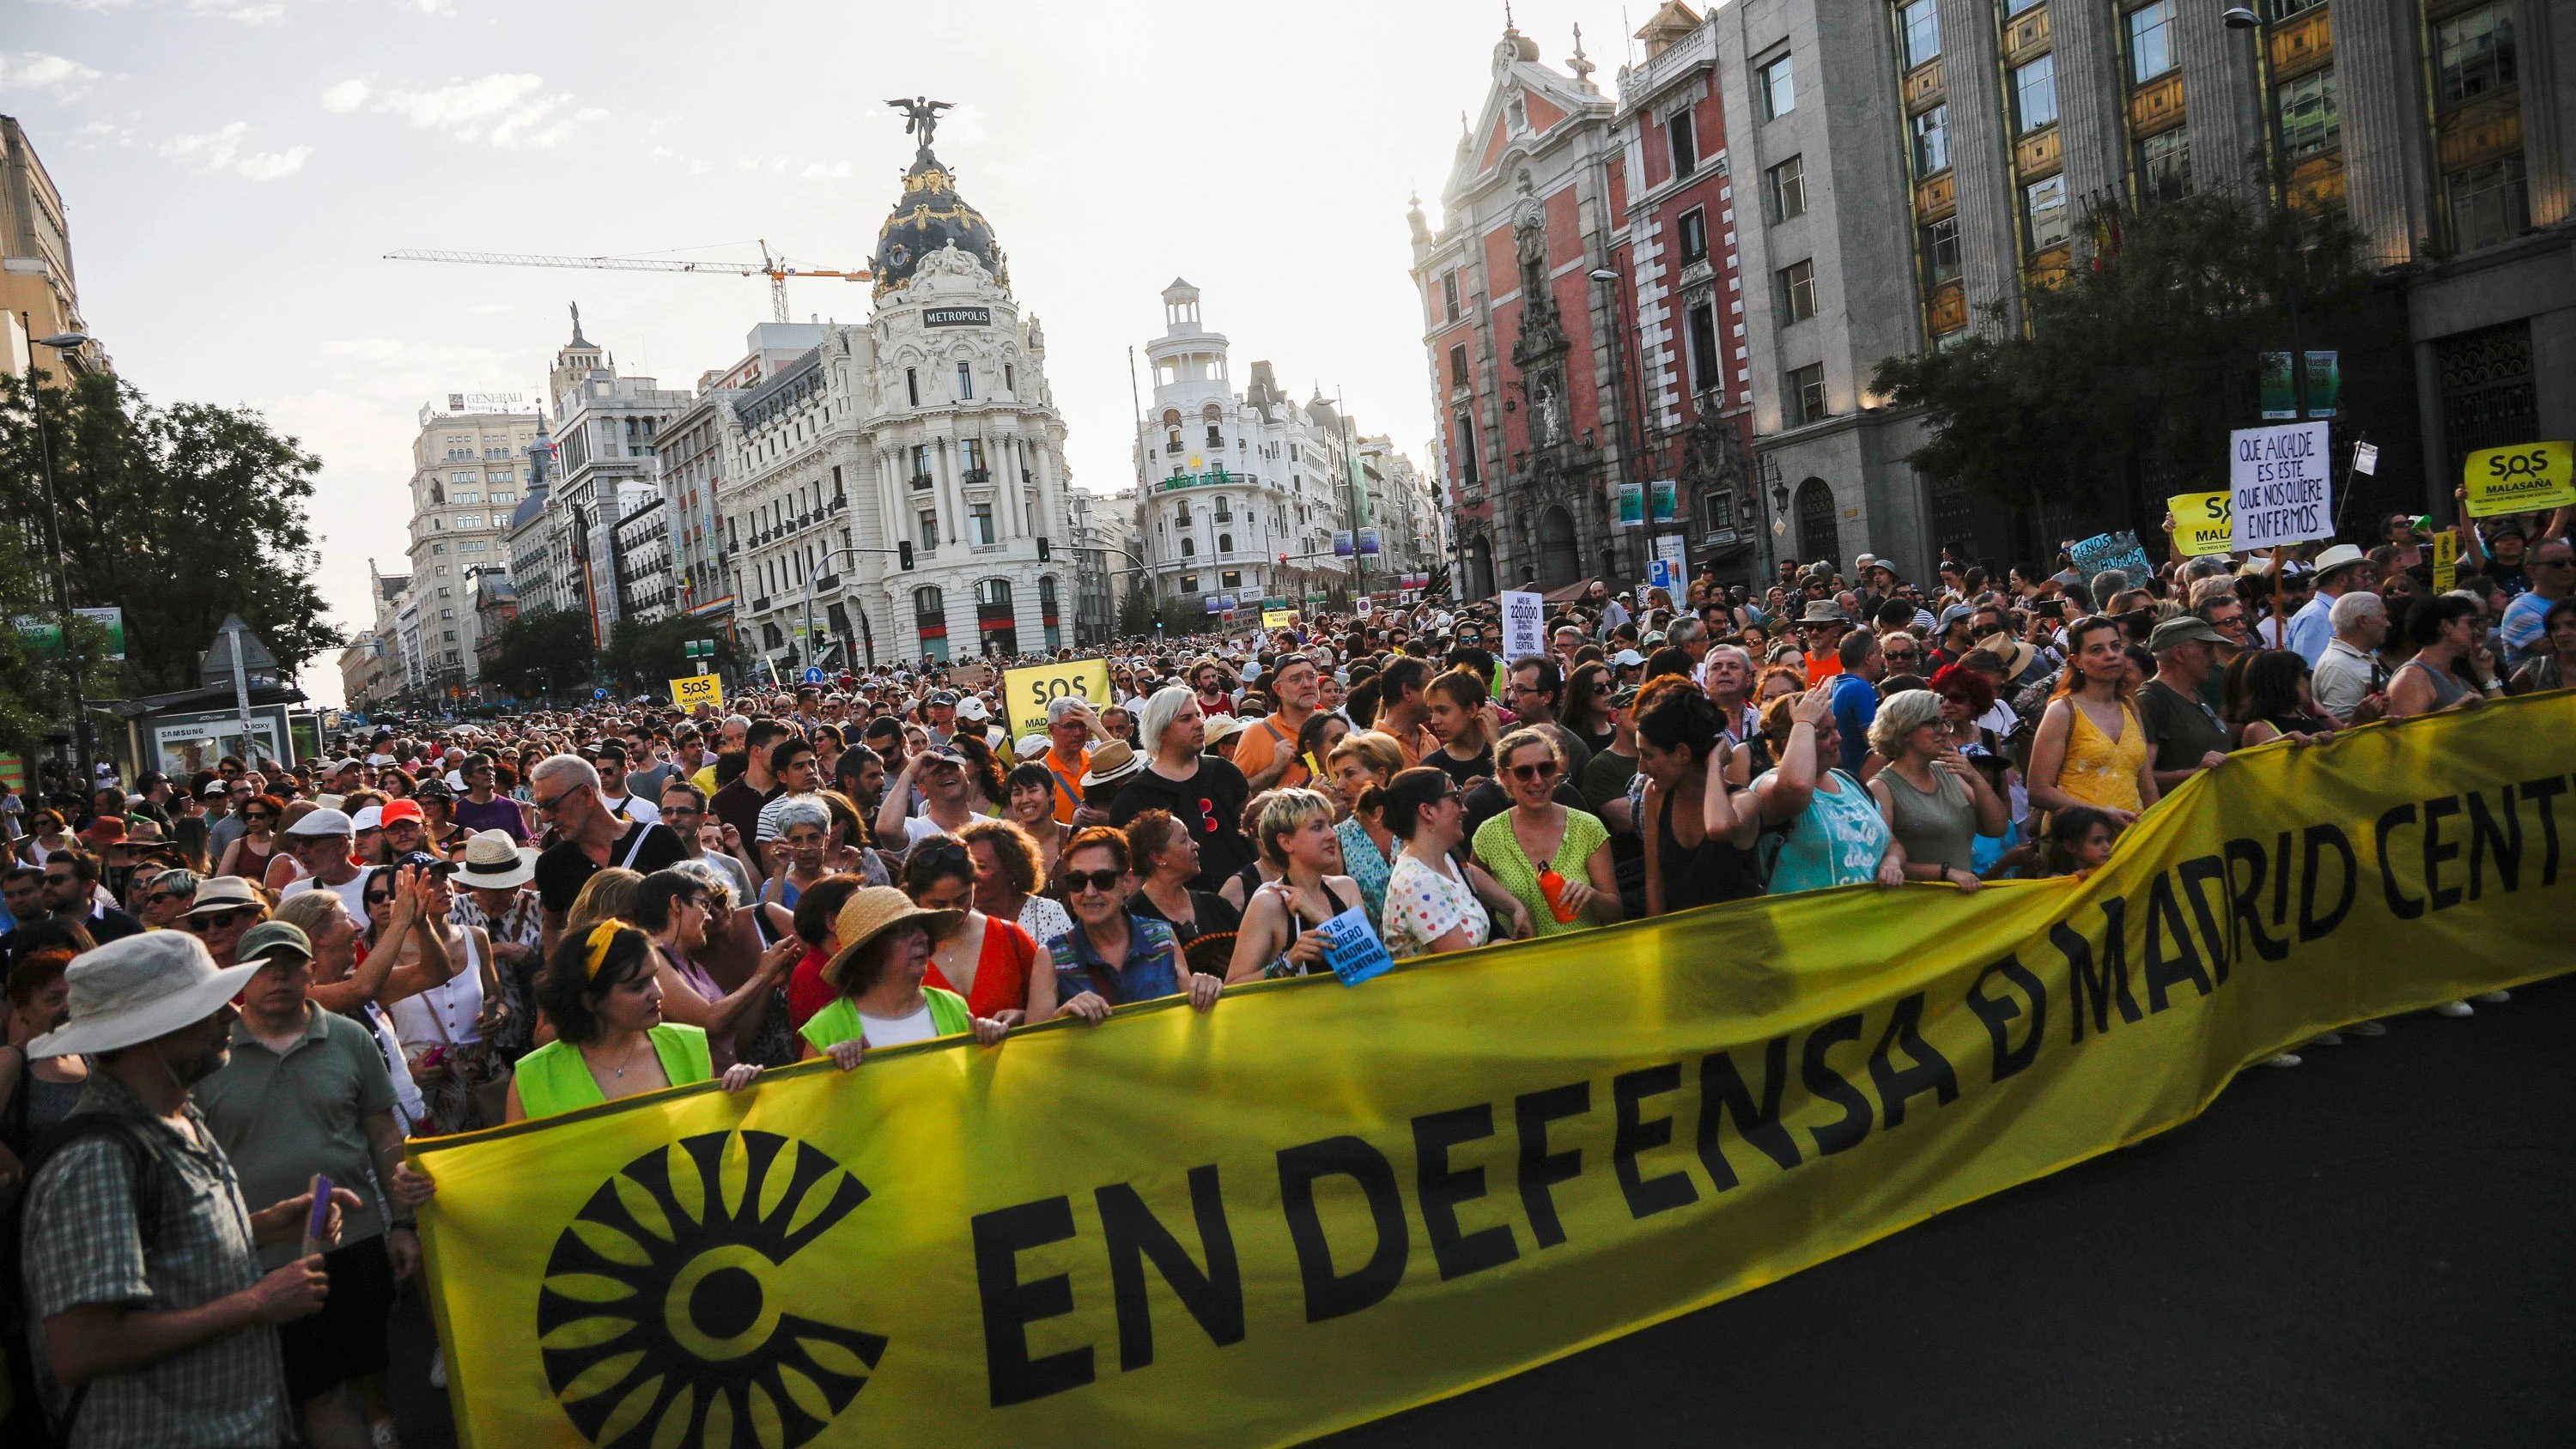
pixel 609 264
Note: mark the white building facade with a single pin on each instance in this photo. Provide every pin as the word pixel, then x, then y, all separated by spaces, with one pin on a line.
pixel 607 432
pixel 470 464
pixel 929 431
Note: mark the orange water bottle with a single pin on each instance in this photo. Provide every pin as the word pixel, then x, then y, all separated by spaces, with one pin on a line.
pixel 1552 886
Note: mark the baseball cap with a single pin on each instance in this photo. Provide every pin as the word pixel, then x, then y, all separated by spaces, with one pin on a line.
pixel 270 938
pixel 2184 630
pixel 398 810
pixel 370 818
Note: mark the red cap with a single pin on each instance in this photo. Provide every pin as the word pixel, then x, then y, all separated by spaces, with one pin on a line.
pixel 402 810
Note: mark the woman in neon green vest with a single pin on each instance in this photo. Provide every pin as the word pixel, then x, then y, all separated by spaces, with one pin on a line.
pixel 878 970
pixel 605 999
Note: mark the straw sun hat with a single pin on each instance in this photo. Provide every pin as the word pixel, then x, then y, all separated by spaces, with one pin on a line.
pixel 870 912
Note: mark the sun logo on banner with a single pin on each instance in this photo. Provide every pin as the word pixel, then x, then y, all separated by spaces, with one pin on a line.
pixel 661 1319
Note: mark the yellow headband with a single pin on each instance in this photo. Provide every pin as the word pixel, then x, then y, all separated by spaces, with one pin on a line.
pixel 596 944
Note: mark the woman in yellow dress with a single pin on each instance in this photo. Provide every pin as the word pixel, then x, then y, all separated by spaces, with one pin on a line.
pixel 2090 749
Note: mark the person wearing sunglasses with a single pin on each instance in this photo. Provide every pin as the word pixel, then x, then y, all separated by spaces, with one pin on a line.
pixel 222 909
pixel 1554 859
pixel 1111 957
pixel 589 838
pixel 164 898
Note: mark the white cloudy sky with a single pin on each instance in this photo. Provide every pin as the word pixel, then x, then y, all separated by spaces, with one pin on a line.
pixel 235 169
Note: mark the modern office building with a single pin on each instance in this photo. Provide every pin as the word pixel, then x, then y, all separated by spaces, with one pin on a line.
pixel 470 465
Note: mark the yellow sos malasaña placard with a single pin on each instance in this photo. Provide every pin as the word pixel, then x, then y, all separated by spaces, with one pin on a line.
pixel 2203 522
pixel 2521 478
pixel 1278 618
pixel 1026 692
pixel 696 690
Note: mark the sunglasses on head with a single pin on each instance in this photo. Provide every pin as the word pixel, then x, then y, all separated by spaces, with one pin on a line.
pixel 1103 881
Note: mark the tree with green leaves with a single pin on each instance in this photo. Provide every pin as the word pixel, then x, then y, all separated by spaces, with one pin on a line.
pixel 646 657
pixel 179 515
pixel 543 654
pixel 1135 613
pixel 2131 371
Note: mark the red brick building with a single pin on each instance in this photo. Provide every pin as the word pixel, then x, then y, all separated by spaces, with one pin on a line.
pixel 1556 324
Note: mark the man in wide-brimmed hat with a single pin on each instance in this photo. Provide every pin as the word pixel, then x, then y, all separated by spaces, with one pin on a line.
pixel 2339 570
pixel 166 1337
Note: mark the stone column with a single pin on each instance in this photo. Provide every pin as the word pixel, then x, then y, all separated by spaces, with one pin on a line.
pixel 2545 65
pixel 2388 183
pixel 2224 105
pixel 2092 90
pixel 1981 161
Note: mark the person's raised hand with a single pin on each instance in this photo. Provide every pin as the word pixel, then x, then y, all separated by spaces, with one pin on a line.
pixel 1812 707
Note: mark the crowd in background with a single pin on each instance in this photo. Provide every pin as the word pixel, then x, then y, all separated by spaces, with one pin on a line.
pixel 226 983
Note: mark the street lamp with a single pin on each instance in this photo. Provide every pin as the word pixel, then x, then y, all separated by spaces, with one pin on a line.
pixel 63 342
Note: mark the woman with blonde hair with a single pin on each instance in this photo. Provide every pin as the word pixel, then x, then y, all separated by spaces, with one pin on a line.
pixel 1278 936
pixel 1555 860
pixel 1934 801
pixel 608 895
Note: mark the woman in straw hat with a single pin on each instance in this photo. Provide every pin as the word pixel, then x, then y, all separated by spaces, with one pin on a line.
pixel 884 953
pixel 603 991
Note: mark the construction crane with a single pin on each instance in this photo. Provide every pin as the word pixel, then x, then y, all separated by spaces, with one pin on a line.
pixel 774 268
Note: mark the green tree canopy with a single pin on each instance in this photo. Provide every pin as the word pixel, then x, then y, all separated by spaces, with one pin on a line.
pixel 543 654
pixel 179 515
pixel 643 658
pixel 2133 369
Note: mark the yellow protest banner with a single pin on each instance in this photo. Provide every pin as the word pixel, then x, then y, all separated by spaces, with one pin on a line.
pixel 698 689
pixel 1315 1205
pixel 2520 479
pixel 1027 691
pixel 2446 560
pixel 1278 618
pixel 2204 523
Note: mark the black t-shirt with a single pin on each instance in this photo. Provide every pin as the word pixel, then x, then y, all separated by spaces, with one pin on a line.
pixel 2180 729
pixel 1461 771
pixel 1209 804
pixel 565 867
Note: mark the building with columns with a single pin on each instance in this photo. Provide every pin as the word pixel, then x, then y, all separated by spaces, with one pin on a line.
pixel 902 482
pixel 1954 154
pixel 1250 496
pixel 470 464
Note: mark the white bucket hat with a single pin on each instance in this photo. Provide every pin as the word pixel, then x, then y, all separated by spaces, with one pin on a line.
pixel 493 861
pixel 138 988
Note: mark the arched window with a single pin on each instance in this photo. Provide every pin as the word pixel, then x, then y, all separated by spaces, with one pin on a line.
pixel 1225 543
pixel 1189 548
pixel 1560 558
pixel 1181 514
pixel 1215 420
pixel 993 618
pixel 930 620
pixel 1819 535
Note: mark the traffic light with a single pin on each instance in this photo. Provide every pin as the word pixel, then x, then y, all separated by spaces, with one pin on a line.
pixel 1044 553
pixel 1283 560
pixel 903 553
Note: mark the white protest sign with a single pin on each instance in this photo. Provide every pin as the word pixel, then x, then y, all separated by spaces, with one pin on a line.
pixel 1524 624
pixel 2282 479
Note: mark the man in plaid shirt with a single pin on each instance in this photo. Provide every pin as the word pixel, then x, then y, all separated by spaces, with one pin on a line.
pixel 151 1321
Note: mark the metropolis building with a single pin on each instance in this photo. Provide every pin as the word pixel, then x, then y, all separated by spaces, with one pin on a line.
pixel 930 425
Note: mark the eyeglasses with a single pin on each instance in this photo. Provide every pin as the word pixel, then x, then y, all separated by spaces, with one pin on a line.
pixel 1104 881
pixel 163 898
pixel 1534 773
pixel 215 920
pixel 682 810
pixel 549 807
pixel 379 898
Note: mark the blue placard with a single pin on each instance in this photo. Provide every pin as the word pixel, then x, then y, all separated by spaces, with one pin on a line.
pixel 1352 947
pixel 2111 551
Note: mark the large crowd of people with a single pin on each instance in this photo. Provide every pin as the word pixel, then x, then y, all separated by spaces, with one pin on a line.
pixel 232 990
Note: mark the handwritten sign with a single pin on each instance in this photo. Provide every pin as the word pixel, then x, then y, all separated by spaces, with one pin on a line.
pixel 2119 550
pixel 2204 523
pixel 1027 691
pixel 2521 478
pixel 2281 482
pixel 1524 624
pixel 1352 947
pixel 696 690
pixel 1278 618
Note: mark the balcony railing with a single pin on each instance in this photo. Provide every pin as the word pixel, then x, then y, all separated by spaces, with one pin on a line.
pixel 979 475
pixel 920 481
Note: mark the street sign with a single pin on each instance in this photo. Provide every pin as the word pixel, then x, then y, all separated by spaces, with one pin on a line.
pixel 599 694
pixel 813 674
pixel 696 690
